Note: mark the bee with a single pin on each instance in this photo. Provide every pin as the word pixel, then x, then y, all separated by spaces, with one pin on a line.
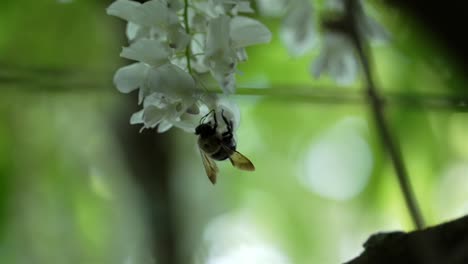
pixel 219 146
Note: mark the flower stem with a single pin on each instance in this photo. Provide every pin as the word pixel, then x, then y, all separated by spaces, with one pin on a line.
pixel 187 30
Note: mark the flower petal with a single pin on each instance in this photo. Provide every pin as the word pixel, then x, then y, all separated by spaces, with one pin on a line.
pixel 271 8
pixel 298 28
pixel 155 99
pixel 344 69
pixel 164 126
pixel 153 115
pixel 217 39
pixel 198 22
pixel 135 31
pixel 373 30
pixel 319 64
pixel 132 30
pixel 222 106
pixel 242 54
pixel 337 57
pixel 230 110
pixel 159 14
pixel 130 77
pixel 137 118
pixel 125 9
pixel 150 51
pixel 246 31
pixel 194 109
pixel 151 13
pixel 242 7
pixel 185 125
pixel 175 5
pixel 227 81
pixel 177 37
pixel 170 80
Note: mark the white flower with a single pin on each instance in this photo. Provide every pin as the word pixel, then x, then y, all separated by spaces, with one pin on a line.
pixel 225 41
pixel 272 8
pixel 130 77
pixel 241 7
pixel 372 30
pixel 153 13
pixel 149 51
pixel 198 47
pixel 135 31
pixel 170 80
pixel 167 78
pixel 298 29
pixel 230 111
pixel 165 111
pixel 245 31
pixel 214 8
pixel 177 38
pixel 166 90
pixel 367 25
pixel 156 19
pixel 220 57
pixel 337 6
pixel 175 5
pixel 153 71
pixel 159 44
pixel 169 92
pixel 222 106
pixel 337 58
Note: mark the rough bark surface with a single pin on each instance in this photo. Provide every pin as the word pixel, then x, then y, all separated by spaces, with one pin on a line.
pixel 442 244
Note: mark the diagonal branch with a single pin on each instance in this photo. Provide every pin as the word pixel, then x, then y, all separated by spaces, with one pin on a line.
pixel 350 26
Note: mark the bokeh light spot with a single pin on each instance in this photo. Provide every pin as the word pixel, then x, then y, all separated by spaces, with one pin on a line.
pixel 338 165
pixel 235 238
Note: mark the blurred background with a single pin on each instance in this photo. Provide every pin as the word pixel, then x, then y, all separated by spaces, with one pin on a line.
pixel 79 184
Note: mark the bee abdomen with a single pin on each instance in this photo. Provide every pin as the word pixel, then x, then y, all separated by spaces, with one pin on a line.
pixel 229 146
pixel 221 154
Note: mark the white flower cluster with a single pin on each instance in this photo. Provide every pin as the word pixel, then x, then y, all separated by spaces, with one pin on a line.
pixel 337 56
pixel 173 43
pixel 299 34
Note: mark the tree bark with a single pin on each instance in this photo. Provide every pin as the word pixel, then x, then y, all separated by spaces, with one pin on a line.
pixel 442 244
pixel 148 158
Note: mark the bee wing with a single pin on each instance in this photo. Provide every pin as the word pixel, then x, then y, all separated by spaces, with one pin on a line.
pixel 210 167
pixel 241 162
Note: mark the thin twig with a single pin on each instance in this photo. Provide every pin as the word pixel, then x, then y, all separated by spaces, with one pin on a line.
pixel 376 104
pixel 94 83
pixel 187 30
pixel 335 95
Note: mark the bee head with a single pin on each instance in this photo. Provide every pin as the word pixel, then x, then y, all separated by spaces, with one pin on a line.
pixel 205 130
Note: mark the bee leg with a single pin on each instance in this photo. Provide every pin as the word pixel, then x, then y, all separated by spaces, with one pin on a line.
pixel 228 123
pixel 227 134
pixel 202 120
pixel 215 121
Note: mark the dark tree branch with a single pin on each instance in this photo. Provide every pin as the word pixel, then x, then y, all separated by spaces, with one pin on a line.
pixel 148 158
pixel 443 244
pixel 349 25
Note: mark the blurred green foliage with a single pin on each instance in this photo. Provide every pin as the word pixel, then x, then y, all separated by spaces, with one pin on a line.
pixel 48 34
pixel 66 195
